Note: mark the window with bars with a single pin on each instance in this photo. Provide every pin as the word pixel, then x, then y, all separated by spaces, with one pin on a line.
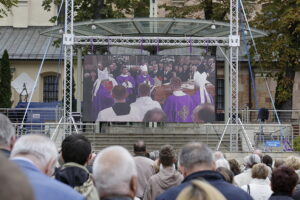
pixel 220 100
pixel 50 92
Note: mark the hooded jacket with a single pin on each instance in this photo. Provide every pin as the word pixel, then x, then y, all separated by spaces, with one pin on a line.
pixel 158 183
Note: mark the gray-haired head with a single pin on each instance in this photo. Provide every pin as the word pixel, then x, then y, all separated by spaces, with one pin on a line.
pixel 252 160
pixel 222 163
pixel 7 131
pixel 39 149
pixel 218 155
pixel 195 154
pixel 114 172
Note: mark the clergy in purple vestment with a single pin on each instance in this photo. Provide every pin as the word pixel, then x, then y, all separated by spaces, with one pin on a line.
pixel 103 98
pixel 179 106
pixel 128 82
pixel 144 77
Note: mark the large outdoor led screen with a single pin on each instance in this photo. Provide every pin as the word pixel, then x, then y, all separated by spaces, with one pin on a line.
pixel 118 88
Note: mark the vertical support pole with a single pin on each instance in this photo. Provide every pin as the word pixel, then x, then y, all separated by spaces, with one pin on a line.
pixel 68 40
pixel 79 79
pixel 234 43
pixel 227 87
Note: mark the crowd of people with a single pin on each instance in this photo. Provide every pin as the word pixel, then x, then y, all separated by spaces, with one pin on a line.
pixel 32 167
pixel 118 91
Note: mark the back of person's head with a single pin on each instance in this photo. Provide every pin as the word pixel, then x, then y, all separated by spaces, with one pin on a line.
pixel 284 179
pixel 260 171
pixel 76 148
pixel 196 155
pixel 293 162
pixel 234 166
pixel 119 92
pixel 167 155
pixel 38 148
pixel 15 185
pixel 199 190
pixel 139 148
pixel 154 155
pixel 222 163
pixel 175 82
pixel 226 173
pixel 258 152
pixel 267 160
pixel 155 115
pixel 278 163
pixel 144 90
pixel 7 131
pixel 114 172
pixel 251 160
pixel 204 113
pixel 218 155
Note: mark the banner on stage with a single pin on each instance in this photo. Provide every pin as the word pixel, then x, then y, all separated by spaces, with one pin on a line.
pixel 120 88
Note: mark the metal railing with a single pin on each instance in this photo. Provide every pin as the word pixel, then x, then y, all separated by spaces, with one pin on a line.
pixel 34 115
pixel 285 116
pixel 280 136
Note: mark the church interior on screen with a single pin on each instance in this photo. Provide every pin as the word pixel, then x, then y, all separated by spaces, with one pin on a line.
pixel 119 88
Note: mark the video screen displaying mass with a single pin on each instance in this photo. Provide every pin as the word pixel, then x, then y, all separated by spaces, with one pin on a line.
pixel 120 88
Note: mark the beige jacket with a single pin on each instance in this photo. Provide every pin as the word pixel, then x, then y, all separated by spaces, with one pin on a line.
pixel 158 183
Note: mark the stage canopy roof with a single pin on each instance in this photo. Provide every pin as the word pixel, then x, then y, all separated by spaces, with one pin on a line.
pixel 160 27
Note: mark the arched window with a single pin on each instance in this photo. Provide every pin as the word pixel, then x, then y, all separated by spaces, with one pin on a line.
pixel 50 92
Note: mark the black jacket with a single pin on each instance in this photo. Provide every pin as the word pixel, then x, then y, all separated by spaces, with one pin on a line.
pixel 229 191
pixel 280 196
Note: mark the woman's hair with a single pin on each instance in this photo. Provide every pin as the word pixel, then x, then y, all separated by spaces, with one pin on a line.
pixel 199 190
pixel 284 180
pixel 260 171
pixel 234 166
pixel 293 162
pixel 226 173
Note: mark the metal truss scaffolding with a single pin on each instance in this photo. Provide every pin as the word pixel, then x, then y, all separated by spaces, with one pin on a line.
pixel 232 42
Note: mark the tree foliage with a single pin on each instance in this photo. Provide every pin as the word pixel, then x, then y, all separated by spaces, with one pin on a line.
pixel 6 6
pixel 102 9
pixel 202 9
pixel 280 50
pixel 5 82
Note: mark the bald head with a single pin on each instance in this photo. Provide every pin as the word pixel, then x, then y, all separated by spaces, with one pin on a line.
pixel 139 148
pixel 115 172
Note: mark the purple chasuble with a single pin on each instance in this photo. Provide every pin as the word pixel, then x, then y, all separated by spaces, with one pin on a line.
pixel 144 79
pixel 179 108
pixel 102 100
pixel 121 79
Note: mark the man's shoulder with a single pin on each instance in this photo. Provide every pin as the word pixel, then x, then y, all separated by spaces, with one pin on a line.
pixel 61 190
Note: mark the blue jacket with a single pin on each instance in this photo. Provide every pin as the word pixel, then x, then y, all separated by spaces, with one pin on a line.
pixel 44 187
pixel 229 191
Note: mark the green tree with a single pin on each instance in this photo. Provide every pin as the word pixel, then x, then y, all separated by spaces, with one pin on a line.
pixel 5 81
pixel 102 9
pixel 211 9
pixel 6 6
pixel 280 50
